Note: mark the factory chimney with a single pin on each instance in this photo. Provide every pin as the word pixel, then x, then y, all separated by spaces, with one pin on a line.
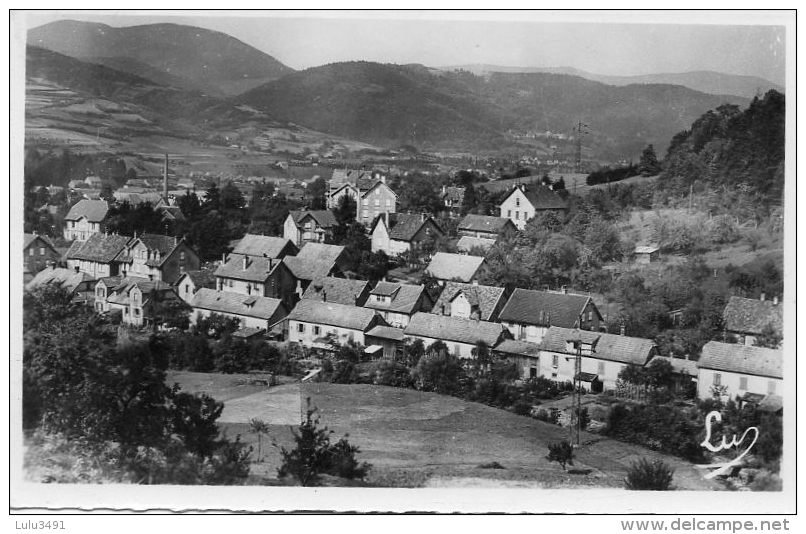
pixel 165 179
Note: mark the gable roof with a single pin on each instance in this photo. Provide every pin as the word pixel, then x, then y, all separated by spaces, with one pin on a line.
pixel 455 329
pixel 172 212
pixel 333 314
pixel 519 347
pixel 467 243
pixel 486 297
pixel 404 226
pixel 324 218
pixel 347 176
pixel 404 297
pixel 101 248
pixel 338 290
pixel 69 279
pixel 544 308
pixel 146 286
pixel 163 244
pixel 454 193
pixel 611 347
pixel 679 365
pixel 446 266
pixel 541 197
pixel 258 269
pixel 28 239
pixel 200 278
pixel 742 359
pixel 233 303
pixel 366 185
pixel 751 315
pixel 92 210
pixel 484 223
pixel 262 245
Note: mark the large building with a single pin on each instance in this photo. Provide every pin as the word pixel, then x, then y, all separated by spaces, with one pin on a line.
pixel 529 314
pixel 85 219
pixel 372 195
pixel 523 203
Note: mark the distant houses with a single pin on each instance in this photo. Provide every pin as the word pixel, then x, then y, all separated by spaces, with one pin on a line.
pixel 645 254
pixel 453 200
pixel 485 226
pixel 85 219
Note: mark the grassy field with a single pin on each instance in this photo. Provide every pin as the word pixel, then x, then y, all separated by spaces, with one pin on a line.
pixel 417 439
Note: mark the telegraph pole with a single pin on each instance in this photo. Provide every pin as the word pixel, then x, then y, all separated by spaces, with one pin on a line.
pixel 576 339
pixel 580 130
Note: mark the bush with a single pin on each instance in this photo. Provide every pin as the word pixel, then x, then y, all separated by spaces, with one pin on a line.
pixel 562 453
pixel 646 475
pixel 439 372
pixel 389 373
pixel 344 372
pixel 548 416
pixel 522 407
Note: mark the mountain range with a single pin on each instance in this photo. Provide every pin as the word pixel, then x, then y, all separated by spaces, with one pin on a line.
pixel 184 78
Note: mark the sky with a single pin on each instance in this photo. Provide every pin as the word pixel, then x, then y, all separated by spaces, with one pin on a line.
pixel 610 43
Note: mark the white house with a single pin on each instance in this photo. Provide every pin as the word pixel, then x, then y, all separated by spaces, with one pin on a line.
pixel 523 203
pixel 318 324
pixel 252 311
pixel 397 233
pixel 732 370
pixel 84 219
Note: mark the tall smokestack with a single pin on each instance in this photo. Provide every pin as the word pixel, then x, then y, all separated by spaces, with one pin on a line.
pixel 165 179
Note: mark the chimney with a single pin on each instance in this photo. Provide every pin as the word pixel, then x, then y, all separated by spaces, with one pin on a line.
pixel 269 265
pixel 245 262
pixel 165 179
pixel 324 295
pixel 223 258
pixel 763 296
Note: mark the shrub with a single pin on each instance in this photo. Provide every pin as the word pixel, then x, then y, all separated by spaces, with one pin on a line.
pixel 548 416
pixel 645 475
pixel 522 407
pixel 344 372
pixel 438 371
pixel 562 453
pixel 389 373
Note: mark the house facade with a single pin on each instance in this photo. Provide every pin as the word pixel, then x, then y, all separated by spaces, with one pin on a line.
pixel 158 257
pixel 453 199
pixel 133 297
pixel 377 200
pixel 253 311
pixel 523 203
pixel 525 356
pixel 397 233
pixel 190 282
pixel 729 370
pixel 320 325
pixel 99 256
pixel 470 301
pixel 38 253
pixel 309 226
pixel 529 314
pixel 396 303
pixel 257 276
pixel 85 219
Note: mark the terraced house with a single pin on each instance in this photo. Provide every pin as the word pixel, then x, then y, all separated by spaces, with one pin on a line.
pixel 85 219
pixel 529 314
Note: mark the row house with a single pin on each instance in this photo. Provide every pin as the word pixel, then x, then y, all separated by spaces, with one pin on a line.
pixel 522 203
pixel 460 335
pixel 747 319
pixel 338 290
pixel 470 301
pixel 252 311
pixel 397 303
pixel 447 267
pixel 398 233
pixel 730 370
pixel 603 356
pixel 486 227
pixel 85 219
pixel 529 314
pixel 37 254
pixel 320 325
pixel 133 297
pixel 309 226
pixel 158 257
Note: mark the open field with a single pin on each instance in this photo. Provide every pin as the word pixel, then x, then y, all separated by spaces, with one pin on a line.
pixel 416 439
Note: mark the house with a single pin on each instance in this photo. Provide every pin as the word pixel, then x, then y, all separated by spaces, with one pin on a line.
pixel 525 356
pixel 153 198
pixel 158 257
pixel 396 233
pixel 99 256
pixel 384 341
pixel 265 246
pixel 446 267
pixel 746 319
pixel 191 281
pixel 171 214
pixel 85 219
pixel 252 311
pixel 315 260
pixel 528 314
pixel 453 198
pixel 78 284
pixel 729 370
pixel 309 226
pixel 38 252
pixel 346 182
pixel 134 298
pixel 396 303
pixel 603 356
pixel 522 203
pixel 684 371
pixel 646 254
pixel 321 325
pixel 470 301
pixel 338 290
pixel 370 192
pixel 460 335
pixel 486 226
pixel 94 182
pixel 474 245
pixel 257 276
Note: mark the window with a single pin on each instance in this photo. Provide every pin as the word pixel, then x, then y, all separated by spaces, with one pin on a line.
pixel 365 202
pixel 717 379
pixel 137 312
pixel 509 213
pixel 187 289
pixel 743 383
pixel 300 328
pixel 316 330
pixel 366 214
pixel 377 202
pixel 532 372
pixel 770 387
pixel 378 191
pixel 517 215
pixel 456 349
pixel 31 251
pixel 388 202
pixel 600 369
pixel 41 251
pixel 229 282
pixel 590 315
pixel 555 360
pixel 182 256
pixel 518 202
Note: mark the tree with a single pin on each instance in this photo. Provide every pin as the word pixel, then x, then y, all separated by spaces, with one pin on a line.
pixel 316 194
pixel 649 165
pixel 562 453
pixel 231 197
pixel 259 427
pixel 482 358
pixel 770 337
pixel 645 475
pixel 438 371
pixel 212 198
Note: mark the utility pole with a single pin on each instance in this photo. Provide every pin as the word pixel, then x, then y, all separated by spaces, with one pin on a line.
pixel 579 133
pixel 574 425
pixel 690 195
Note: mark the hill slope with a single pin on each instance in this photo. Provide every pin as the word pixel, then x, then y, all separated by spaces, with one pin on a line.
pixel 412 104
pixel 714 83
pixel 203 60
